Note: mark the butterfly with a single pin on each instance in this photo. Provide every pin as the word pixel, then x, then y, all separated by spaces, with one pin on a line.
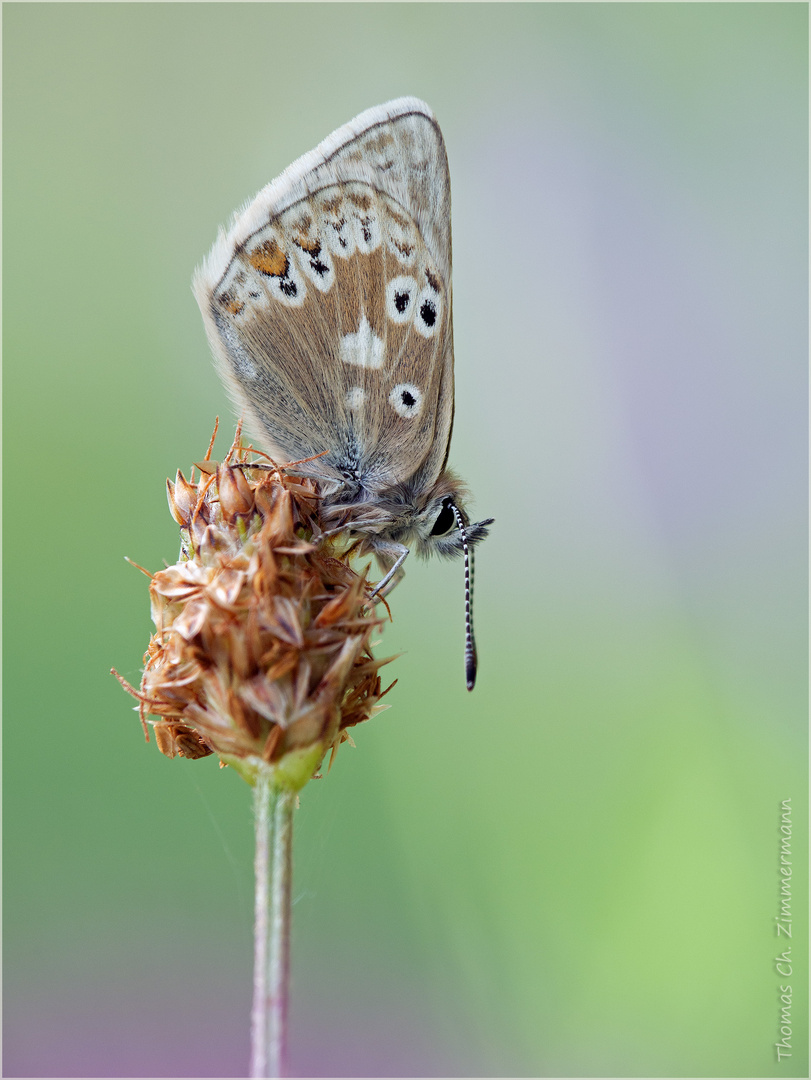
pixel 327 304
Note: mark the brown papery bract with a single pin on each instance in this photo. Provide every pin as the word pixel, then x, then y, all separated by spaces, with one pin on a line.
pixel 262 647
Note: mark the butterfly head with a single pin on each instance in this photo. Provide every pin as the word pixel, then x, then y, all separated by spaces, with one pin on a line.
pixel 444 528
pixel 451 533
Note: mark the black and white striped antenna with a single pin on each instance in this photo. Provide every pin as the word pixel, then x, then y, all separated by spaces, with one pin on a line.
pixel 470 641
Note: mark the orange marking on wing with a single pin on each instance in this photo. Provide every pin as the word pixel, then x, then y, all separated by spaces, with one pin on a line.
pixel 308 244
pixel 269 259
pixel 231 303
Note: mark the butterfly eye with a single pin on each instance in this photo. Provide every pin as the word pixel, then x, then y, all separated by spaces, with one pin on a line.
pixel 446 520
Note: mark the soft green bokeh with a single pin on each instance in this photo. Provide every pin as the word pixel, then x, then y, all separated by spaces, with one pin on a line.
pixel 573 871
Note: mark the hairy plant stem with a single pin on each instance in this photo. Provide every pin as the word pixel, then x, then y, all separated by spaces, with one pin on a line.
pixel 273 818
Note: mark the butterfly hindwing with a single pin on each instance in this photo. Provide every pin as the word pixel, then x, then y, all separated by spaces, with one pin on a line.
pixel 331 319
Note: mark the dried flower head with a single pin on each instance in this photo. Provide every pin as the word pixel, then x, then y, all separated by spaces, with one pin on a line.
pixel 261 652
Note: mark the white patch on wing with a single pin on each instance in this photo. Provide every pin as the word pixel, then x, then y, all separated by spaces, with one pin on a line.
pixel 355 397
pixel 363 348
pixel 406 400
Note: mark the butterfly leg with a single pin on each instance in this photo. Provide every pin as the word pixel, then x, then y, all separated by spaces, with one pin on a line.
pixel 391 555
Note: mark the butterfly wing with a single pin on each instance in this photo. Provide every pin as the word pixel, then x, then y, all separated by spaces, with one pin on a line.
pixel 328 303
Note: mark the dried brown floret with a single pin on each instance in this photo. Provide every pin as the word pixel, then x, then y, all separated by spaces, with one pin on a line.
pixel 262 648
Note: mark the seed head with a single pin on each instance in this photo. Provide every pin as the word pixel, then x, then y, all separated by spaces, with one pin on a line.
pixel 262 645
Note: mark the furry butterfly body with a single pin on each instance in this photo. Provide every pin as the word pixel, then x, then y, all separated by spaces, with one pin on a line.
pixel 328 308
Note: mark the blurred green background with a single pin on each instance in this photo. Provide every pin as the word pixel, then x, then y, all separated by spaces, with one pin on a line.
pixel 574 870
